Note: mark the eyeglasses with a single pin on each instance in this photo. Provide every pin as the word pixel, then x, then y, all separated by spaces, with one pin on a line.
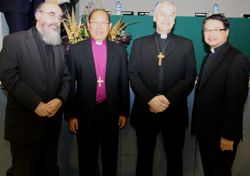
pixel 99 23
pixel 213 30
pixel 52 15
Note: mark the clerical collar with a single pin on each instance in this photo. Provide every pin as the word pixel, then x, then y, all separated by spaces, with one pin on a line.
pixel 161 36
pixel 220 48
pixel 98 42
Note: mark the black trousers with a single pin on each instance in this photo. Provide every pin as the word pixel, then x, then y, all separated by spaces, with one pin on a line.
pixel 215 162
pixel 39 158
pixel 173 138
pixel 102 132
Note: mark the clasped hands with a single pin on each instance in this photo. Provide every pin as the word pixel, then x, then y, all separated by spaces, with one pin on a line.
pixel 158 104
pixel 226 144
pixel 48 109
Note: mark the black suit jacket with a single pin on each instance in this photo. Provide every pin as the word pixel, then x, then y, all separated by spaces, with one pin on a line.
pixel 18 6
pixel 23 76
pixel 179 71
pixel 220 97
pixel 82 99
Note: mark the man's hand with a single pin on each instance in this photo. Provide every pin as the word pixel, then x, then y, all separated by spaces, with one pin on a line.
pixel 42 110
pixel 226 144
pixel 158 104
pixel 122 121
pixel 53 106
pixel 73 125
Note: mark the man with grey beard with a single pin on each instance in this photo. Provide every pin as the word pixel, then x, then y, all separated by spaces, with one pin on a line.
pixel 34 73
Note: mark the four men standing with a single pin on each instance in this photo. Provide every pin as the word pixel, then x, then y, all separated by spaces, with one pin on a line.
pixel 162 74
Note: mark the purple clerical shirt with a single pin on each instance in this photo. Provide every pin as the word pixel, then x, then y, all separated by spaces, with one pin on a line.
pixel 99 50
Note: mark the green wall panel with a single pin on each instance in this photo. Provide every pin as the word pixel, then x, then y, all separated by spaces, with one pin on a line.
pixel 191 28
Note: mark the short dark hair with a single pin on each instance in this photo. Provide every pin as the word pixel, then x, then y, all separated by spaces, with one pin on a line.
pixel 95 10
pixel 218 17
pixel 39 7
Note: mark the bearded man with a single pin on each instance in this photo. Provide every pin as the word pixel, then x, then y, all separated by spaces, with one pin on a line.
pixel 34 73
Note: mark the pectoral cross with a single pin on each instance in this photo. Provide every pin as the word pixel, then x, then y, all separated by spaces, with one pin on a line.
pixel 160 57
pixel 100 81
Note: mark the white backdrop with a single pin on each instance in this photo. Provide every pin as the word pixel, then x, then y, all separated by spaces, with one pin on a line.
pixel 231 8
pixel 3 29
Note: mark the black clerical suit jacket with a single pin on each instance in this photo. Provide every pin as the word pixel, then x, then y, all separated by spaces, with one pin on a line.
pixel 220 95
pixel 23 76
pixel 82 98
pixel 179 76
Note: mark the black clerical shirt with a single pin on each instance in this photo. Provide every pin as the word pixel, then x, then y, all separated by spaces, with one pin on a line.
pixel 47 56
pixel 161 47
pixel 210 59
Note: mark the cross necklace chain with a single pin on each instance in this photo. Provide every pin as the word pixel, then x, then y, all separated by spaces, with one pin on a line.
pixel 99 72
pixel 99 81
pixel 161 54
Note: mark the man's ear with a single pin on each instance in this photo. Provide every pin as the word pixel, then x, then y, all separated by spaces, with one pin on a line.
pixel 154 18
pixel 37 15
pixel 227 31
pixel 88 24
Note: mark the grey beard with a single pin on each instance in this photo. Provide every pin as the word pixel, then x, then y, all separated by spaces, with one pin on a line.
pixel 51 37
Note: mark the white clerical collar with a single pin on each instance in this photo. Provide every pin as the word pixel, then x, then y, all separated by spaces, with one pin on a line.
pixel 212 50
pixel 98 42
pixel 164 36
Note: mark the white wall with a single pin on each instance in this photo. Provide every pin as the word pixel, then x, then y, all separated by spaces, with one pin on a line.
pixel 3 29
pixel 231 8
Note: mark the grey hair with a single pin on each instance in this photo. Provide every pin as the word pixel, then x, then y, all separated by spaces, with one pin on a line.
pixel 164 2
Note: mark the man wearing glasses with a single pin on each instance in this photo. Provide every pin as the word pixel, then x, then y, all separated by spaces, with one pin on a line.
pixel 220 95
pixel 99 97
pixel 34 73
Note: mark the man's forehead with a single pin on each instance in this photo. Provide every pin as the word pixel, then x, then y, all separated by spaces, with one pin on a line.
pixel 99 14
pixel 52 8
pixel 213 22
pixel 166 9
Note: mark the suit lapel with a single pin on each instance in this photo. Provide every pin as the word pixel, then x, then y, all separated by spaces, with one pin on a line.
pixel 109 58
pixel 216 62
pixel 169 49
pixel 35 53
pixel 90 57
pixel 152 48
pixel 58 54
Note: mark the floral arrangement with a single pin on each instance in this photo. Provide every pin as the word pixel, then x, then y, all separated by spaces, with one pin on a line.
pixel 118 34
pixel 77 32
